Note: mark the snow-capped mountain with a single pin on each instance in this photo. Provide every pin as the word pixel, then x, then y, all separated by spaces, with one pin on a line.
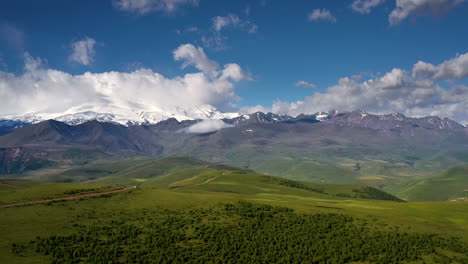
pixel 124 116
pixel 394 121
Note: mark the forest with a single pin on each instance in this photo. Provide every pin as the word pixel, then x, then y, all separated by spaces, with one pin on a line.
pixel 241 233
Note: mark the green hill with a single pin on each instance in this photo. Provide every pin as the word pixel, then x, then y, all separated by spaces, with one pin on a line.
pixel 444 186
pixel 182 172
pixel 186 210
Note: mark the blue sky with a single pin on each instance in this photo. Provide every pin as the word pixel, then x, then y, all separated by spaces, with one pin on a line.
pixel 276 43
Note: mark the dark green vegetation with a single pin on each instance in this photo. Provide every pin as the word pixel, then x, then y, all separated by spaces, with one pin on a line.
pixel 241 233
pixel 447 185
pixel 361 192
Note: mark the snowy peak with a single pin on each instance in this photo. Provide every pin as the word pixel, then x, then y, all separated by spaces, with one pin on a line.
pixel 394 120
pixel 125 116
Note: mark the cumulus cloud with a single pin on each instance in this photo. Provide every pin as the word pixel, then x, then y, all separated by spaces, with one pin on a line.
pixel 44 90
pixel 83 51
pixel 396 91
pixel 196 56
pixel 322 15
pixel 305 84
pixel 143 7
pixel 406 8
pixel 207 126
pixel 456 68
pixel 192 55
pixel 365 6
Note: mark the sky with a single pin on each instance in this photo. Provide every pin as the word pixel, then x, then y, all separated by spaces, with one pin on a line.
pixel 288 57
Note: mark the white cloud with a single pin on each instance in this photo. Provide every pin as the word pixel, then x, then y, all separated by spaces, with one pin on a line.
pixel 453 69
pixel 396 91
pixel 322 15
pixel 365 6
pixel 305 84
pixel 83 51
pixel 143 7
pixel 234 72
pixel 192 55
pixel 220 22
pixel 44 90
pixel 217 38
pixel 207 126
pixel 406 8
pixel 254 109
pixel 232 20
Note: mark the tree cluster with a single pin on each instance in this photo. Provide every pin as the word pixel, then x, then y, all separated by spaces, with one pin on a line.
pixel 243 233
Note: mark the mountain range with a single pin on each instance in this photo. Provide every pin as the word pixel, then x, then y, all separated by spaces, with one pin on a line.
pixel 384 151
pixel 123 115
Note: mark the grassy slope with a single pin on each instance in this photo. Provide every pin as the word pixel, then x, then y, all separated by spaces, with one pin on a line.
pixel 22 224
pixel 444 186
pixel 182 172
pixel 13 184
pixel 163 172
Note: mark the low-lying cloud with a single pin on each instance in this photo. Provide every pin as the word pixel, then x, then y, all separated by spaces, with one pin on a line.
pixel 207 126
pixel 44 90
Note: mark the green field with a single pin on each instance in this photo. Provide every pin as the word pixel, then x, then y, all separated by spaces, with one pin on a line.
pixel 186 210
pixel 444 186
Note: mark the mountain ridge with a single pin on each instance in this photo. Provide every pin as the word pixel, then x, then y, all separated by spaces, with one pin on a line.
pixel 337 134
pixel 128 117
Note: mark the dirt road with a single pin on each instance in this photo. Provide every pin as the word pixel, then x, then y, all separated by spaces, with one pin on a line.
pixel 68 198
pixel 12 186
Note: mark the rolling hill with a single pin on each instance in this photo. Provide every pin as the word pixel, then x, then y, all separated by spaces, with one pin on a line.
pixel 192 209
pixel 447 185
pixel 383 151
